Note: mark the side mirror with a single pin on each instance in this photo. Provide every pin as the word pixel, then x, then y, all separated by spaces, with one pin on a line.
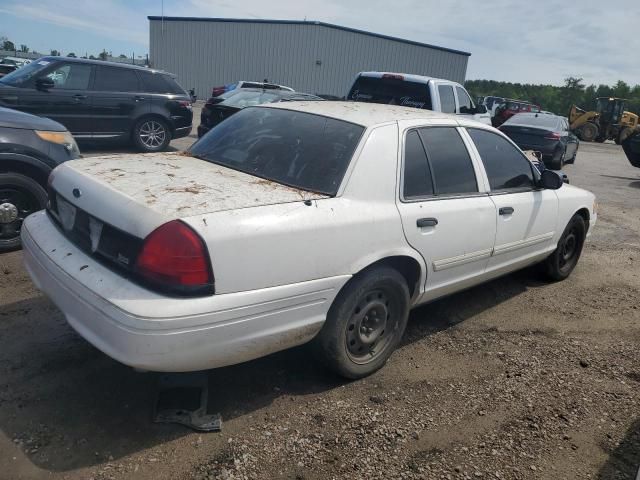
pixel 44 84
pixel 551 180
pixel 481 109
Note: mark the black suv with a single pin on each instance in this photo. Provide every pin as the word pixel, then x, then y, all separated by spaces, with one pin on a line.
pixel 102 100
pixel 30 147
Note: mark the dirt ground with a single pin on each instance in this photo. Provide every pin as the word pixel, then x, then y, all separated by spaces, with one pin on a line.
pixel 515 379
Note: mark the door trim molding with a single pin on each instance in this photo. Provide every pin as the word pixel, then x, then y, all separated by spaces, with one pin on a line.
pixel 527 242
pixel 445 263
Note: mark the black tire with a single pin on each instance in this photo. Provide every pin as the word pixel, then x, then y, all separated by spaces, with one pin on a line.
pixel 19 196
pixel 557 161
pixel 623 135
pixel 588 132
pixel 365 323
pixel 151 134
pixel 572 160
pixel 563 260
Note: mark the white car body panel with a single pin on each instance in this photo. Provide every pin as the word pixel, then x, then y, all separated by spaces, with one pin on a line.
pixel 279 255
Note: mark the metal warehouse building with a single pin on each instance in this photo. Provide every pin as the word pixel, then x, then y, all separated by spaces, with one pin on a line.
pixel 312 57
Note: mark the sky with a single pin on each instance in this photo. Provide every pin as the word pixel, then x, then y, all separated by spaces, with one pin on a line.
pixel 534 41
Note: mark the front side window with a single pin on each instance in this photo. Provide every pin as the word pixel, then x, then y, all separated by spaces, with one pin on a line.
pixel 449 160
pixel 110 79
pixel 21 75
pixel 466 106
pixel 71 76
pixel 506 166
pixel 417 174
pixel 302 150
pixel 447 100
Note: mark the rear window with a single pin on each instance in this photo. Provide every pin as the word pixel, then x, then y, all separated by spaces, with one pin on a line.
pixel 298 149
pixel 242 98
pixel 541 121
pixel 391 91
pixel 160 83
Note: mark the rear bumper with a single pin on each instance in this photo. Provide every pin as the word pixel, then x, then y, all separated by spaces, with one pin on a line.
pixel 147 331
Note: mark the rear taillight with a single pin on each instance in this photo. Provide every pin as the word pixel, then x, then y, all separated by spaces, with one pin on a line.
pixel 392 75
pixel 174 259
pixel 553 136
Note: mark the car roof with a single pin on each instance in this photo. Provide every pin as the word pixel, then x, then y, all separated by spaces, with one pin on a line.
pixel 365 114
pixel 102 62
pixel 406 76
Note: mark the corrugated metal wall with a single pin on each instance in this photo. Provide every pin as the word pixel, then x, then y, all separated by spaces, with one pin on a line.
pixel 204 54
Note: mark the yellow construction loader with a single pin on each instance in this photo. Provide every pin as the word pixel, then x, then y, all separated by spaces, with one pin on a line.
pixel 609 121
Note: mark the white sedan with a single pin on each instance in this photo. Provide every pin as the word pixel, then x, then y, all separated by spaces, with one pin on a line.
pixel 290 223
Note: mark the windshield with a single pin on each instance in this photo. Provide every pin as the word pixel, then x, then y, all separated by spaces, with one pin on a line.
pixel 391 91
pixel 23 74
pixel 298 149
pixel 241 99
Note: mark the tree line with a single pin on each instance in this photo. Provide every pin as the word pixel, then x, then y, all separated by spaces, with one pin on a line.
pixel 558 99
pixel 8 45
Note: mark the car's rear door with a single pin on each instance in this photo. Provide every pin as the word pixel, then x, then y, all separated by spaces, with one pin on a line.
pixel 446 214
pixel 117 101
pixel 526 215
pixel 67 101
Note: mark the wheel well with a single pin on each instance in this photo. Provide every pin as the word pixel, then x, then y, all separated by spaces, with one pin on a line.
pixel 584 213
pixel 40 175
pixel 157 117
pixel 408 267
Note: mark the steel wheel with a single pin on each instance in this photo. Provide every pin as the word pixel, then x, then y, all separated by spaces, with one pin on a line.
pixel 152 134
pixel 19 197
pixel 565 257
pixel 568 248
pixel 370 328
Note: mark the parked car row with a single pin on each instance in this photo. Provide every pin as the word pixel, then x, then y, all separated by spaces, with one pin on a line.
pixel 10 64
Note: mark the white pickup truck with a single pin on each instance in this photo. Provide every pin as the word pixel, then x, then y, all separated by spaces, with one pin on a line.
pixel 290 223
pixel 417 91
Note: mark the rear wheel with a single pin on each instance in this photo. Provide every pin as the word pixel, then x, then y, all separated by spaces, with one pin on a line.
pixel 563 260
pixel 557 161
pixel 151 135
pixel 365 323
pixel 588 132
pixel 19 197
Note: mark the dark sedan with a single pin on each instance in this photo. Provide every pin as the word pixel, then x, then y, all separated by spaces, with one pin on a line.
pixel 30 148
pixel 223 106
pixel 544 133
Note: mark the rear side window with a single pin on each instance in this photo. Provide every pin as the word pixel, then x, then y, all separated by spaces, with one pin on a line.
pixel 160 83
pixel 110 79
pixel 449 160
pixel 447 100
pixel 417 174
pixel 391 91
pixel 464 101
pixel 506 166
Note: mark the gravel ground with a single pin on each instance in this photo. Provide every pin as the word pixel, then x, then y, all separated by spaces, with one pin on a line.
pixel 515 379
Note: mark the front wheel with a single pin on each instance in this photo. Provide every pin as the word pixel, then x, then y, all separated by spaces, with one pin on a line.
pixel 19 196
pixel 365 323
pixel 563 260
pixel 151 135
pixel 557 161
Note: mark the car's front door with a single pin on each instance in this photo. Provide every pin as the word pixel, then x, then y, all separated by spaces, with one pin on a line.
pixel 466 108
pixel 67 101
pixel 446 216
pixel 117 101
pixel 526 215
